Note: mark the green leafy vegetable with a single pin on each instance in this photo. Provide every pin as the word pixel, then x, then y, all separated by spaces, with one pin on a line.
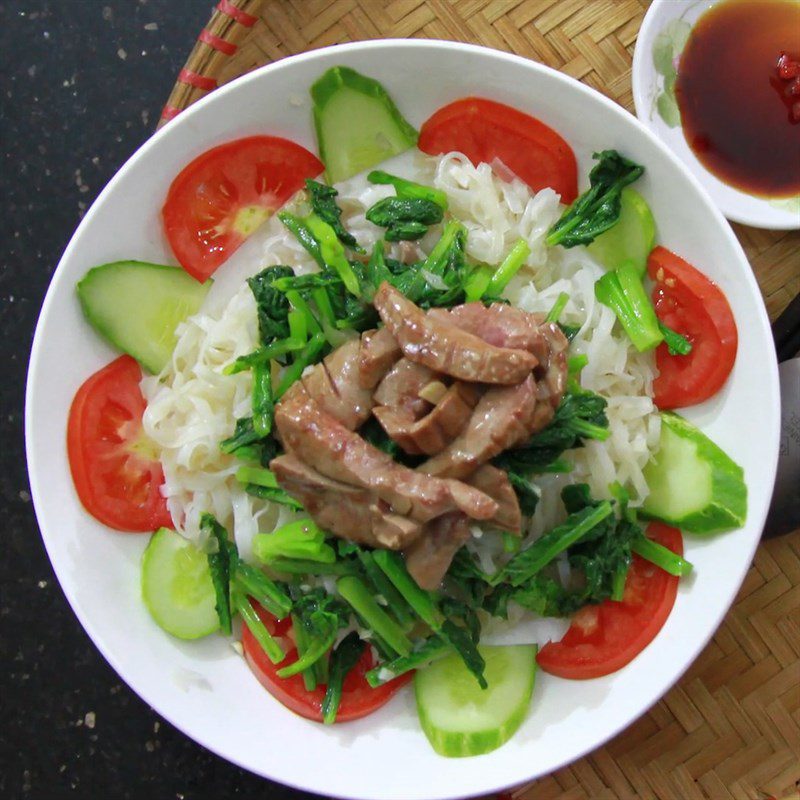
pixel 526 494
pixel 677 344
pixel 623 292
pixel 427 651
pixel 409 190
pixel 308 355
pixel 343 658
pixel 405 218
pixel 661 556
pixel 558 307
pixel 316 618
pixel 323 203
pixel 511 265
pixel 580 415
pixel 264 638
pixel 248 445
pixel 299 227
pixel 221 562
pixel 424 604
pixel 356 593
pixel 300 539
pixel 263 355
pixel 597 209
pixel 527 563
pixel 254 583
pixel 272 305
pixel 263 407
pixel 262 483
pixel 395 603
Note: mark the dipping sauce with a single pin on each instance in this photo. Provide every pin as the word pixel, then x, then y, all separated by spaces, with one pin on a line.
pixel 735 113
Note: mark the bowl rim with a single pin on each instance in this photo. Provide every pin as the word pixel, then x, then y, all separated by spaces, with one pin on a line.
pixel 761 214
pixel 38 492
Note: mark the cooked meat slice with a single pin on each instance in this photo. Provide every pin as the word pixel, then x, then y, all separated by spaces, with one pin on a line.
pixel 496 484
pixel 433 432
pixel 554 380
pixel 348 512
pixel 503 325
pixel 319 439
pixel 446 348
pixel 401 387
pixel 335 386
pixel 379 351
pixel 429 557
pixel 504 417
pixel 499 324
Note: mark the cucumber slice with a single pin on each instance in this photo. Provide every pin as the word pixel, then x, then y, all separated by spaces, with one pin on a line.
pixel 694 485
pixel 461 719
pixel 137 306
pixel 631 239
pixel 177 587
pixel 358 125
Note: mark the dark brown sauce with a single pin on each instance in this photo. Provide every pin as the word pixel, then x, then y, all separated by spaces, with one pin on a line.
pixel 734 113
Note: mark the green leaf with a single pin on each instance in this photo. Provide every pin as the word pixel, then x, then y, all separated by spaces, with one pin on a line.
pixel 663 55
pixel 323 203
pixel 668 110
pixel 678 31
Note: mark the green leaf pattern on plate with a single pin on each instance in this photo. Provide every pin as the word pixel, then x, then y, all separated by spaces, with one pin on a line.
pixel 667 48
pixel 790 204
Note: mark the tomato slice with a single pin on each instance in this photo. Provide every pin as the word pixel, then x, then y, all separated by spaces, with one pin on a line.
pixel 358 697
pixel 605 637
pixel 219 199
pixel 691 304
pixel 484 131
pixel 116 474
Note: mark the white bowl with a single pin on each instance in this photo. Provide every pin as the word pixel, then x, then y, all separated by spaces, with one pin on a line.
pixel 205 688
pixel 673 19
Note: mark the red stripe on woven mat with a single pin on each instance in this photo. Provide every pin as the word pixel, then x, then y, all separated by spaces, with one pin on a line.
pixel 169 112
pixel 242 17
pixel 217 42
pixel 197 80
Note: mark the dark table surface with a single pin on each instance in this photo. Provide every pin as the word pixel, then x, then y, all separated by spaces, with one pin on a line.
pixel 84 82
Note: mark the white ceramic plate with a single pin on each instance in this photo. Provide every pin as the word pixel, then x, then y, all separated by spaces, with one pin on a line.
pixel 204 688
pixel 667 24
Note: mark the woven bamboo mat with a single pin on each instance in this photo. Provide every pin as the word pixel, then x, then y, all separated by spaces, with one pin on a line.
pixel 730 730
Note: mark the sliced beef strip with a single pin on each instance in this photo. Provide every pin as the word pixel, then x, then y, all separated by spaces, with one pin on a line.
pixel 334 385
pixel 503 325
pixel 379 351
pixel 555 368
pixel 429 557
pixel 349 512
pixel 495 483
pixel 400 389
pixel 446 348
pixel 504 417
pixel 338 453
pixel 433 432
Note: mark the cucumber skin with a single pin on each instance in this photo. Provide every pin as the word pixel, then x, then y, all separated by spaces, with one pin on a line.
pixel 326 87
pixel 83 288
pixel 453 744
pixel 728 509
pixel 632 204
pixel 152 552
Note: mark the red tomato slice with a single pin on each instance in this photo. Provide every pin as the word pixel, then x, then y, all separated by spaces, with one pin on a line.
pixel 115 473
pixel 358 697
pixel 219 199
pixel 484 131
pixel 605 637
pixel 690 304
